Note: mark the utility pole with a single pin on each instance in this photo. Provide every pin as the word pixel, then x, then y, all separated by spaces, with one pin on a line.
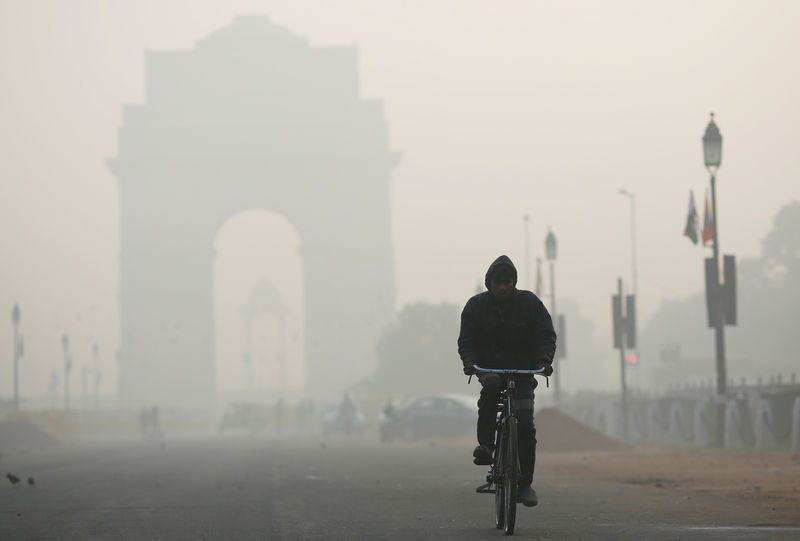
pixel 15 318
pixel 635 292
pixel 624 321
pixel 67 369
pixel 623 383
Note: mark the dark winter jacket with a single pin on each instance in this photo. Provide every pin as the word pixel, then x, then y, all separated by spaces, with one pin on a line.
pixel 519 336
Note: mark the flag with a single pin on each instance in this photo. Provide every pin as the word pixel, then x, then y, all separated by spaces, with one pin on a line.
pixel 538 277
pixel 708 223
pixel 691 220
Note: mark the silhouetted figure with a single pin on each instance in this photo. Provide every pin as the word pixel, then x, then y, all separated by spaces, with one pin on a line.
pixel 388 409
pixel 505 327
pixel 150 424
pixel 31 482
pixel 347 414
pixel 13 478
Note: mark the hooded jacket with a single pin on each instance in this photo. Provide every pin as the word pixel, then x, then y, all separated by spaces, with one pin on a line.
pixel 519 335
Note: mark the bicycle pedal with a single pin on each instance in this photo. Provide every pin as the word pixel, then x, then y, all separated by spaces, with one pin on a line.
pixel 485 489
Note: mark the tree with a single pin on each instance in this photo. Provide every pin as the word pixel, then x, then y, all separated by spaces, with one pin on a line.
pixel 418 354
pixel 781 247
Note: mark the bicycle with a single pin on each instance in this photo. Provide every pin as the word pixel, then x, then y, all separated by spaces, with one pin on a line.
pixel 504 471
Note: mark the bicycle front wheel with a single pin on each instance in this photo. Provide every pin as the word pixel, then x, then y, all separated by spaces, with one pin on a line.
pixel 510 475
pixel 499 494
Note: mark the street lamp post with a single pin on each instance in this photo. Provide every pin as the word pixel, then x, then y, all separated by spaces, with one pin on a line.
pixel 67 369
pixel 623 383
pixel 712 157
pixel 550 251
pixel 526 220
pixel 15 317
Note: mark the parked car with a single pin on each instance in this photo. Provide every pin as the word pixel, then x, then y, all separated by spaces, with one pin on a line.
pixel 449 415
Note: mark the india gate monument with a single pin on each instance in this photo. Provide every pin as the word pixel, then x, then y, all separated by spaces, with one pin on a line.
pixel 251 118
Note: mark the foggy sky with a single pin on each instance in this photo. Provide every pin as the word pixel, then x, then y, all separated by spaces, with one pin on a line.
pixel 500 109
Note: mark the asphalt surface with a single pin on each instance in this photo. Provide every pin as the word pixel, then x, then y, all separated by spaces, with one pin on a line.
pixel 245 488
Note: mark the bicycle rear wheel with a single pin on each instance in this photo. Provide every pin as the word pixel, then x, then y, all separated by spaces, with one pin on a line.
pixel 510 475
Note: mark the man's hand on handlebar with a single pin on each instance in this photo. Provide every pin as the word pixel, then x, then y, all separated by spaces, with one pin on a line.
pixel 547 366
pixel 469 368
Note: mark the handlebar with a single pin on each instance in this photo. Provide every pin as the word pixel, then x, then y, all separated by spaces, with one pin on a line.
pixel 508 371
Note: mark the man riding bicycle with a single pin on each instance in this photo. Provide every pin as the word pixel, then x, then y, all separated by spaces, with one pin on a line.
pixel 505 327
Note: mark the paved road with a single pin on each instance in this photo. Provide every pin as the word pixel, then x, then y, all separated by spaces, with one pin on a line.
pixel 262 488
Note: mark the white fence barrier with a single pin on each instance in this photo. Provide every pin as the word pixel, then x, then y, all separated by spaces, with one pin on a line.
pixel 796 427
pixel 734 424
pixel 704 423
pixel 765 440
pixel 752 420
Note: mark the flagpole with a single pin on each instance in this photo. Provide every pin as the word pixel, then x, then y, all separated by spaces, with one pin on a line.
pixel 691 220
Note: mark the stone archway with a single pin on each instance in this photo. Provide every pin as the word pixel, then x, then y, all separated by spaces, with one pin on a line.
pixel 252 118
pixel 258 307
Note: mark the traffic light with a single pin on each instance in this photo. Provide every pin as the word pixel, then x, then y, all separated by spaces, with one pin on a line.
pixel 728 293
pixel 624 323
pixel 619 320
pixel 721 294
pixel 712 292
pixel 630 321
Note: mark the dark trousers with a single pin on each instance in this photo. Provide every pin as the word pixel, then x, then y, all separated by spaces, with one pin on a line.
pixel 487 420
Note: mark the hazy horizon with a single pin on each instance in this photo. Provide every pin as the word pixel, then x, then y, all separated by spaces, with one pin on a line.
pixel 540 108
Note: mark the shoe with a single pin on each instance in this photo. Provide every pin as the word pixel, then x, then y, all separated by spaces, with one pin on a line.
pixel 483 455
pixel 527 496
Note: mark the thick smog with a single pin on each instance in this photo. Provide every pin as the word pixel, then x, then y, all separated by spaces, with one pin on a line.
pixel 304 270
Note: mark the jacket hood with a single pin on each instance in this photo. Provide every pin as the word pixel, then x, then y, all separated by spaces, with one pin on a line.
pixel 503 260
